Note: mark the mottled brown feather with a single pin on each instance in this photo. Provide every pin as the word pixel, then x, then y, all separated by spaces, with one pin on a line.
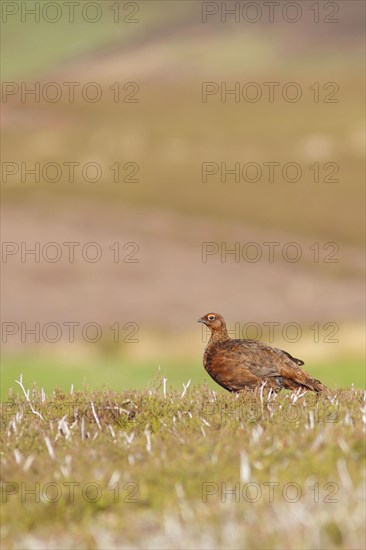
pixel 238 364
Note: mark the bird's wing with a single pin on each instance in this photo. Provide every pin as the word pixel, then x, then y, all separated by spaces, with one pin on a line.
pixel 267 362
pixel 287 367
pixel 297 361
pixel 264 347
pixel 238 363
pixel 261 360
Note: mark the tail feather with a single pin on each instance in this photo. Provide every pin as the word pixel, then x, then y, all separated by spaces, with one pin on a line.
pixel 307 384
pixel 316 385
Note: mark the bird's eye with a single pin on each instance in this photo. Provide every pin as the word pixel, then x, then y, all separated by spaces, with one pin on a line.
pixel 211 317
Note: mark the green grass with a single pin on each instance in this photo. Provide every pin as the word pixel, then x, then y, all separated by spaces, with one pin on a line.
pixel 123 374
pixel 161 466
pixel 23 51
pixel 170 133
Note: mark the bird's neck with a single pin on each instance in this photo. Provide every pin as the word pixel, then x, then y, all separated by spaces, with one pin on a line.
pixel 218 336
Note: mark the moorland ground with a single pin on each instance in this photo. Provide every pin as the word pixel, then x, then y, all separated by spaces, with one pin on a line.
pixel 189 469
pixel 137 463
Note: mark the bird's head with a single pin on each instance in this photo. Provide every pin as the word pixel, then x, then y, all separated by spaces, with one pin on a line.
pixel 213 321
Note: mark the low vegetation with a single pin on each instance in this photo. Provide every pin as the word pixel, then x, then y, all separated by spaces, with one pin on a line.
pixel 195 468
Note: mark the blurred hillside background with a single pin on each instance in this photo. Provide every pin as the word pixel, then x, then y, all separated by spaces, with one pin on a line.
pixel 160 135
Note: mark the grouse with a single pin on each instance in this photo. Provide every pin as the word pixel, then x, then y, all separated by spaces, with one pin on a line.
pixel 239 364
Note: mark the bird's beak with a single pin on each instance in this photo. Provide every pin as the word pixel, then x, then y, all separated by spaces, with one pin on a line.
pixel 200 320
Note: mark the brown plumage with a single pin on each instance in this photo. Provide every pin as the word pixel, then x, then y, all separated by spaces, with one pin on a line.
pixel 239 364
